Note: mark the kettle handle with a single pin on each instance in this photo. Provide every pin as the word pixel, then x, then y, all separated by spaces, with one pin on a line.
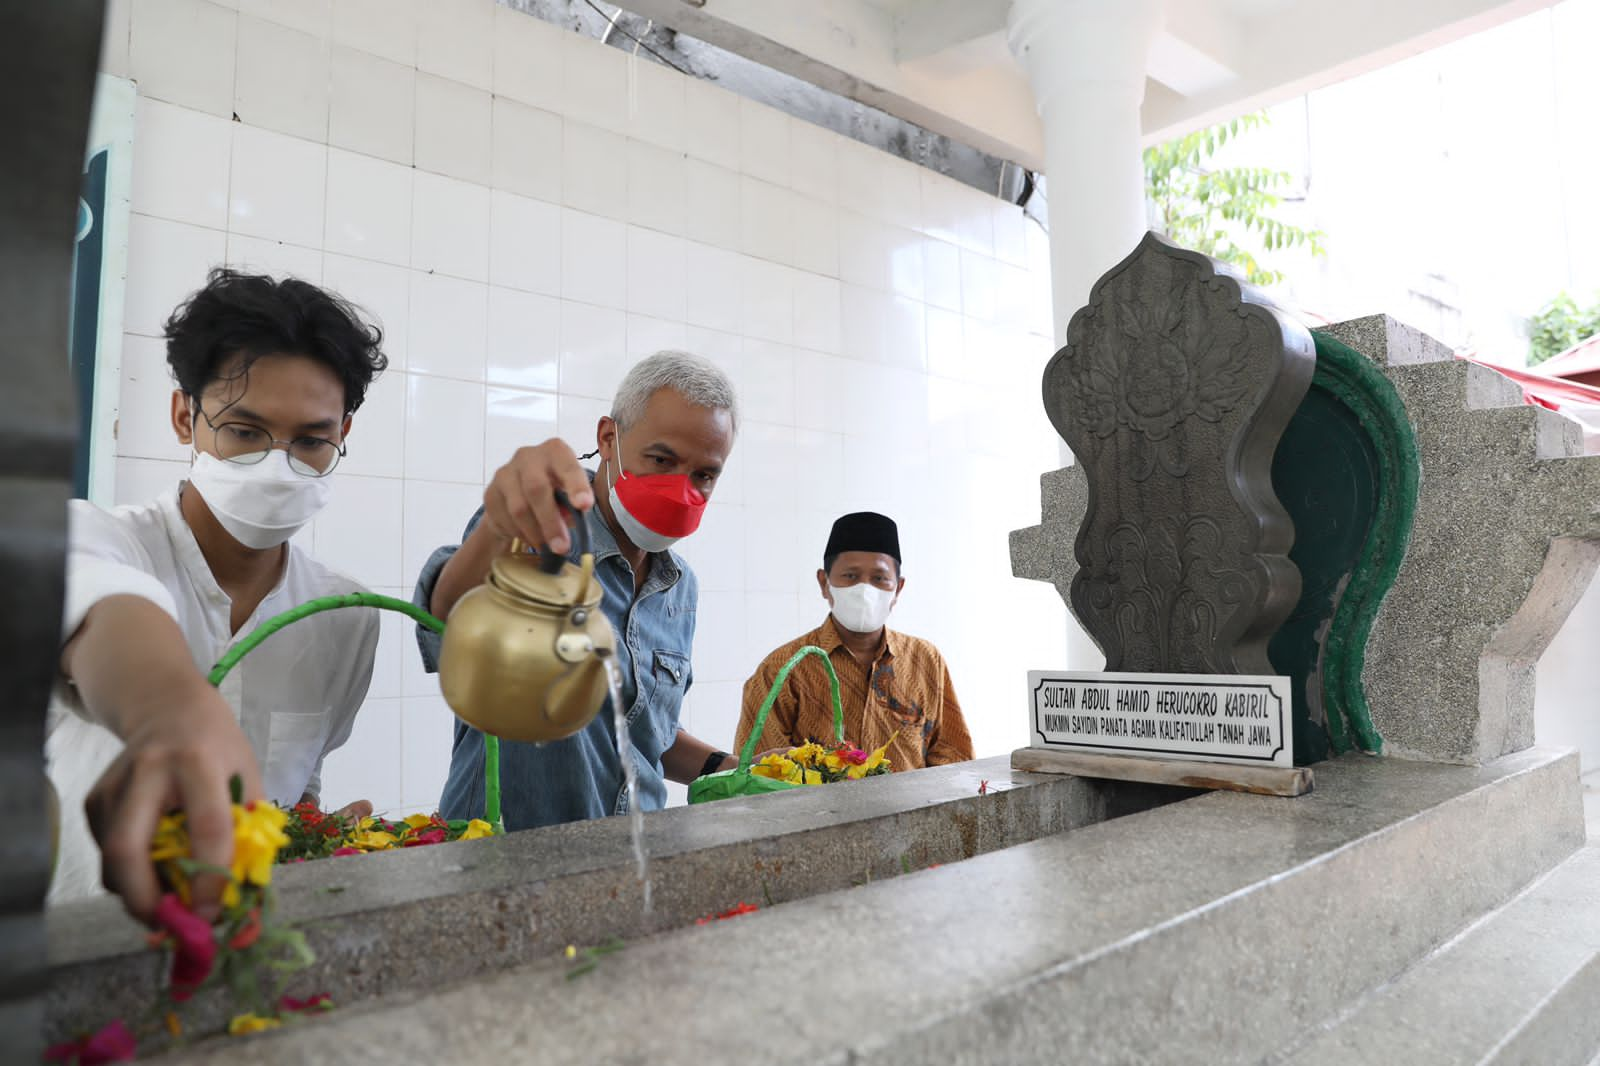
pixel 551 562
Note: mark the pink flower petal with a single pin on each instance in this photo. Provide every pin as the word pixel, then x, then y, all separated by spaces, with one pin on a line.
pixel 194 946
pixel 293 1003
pixel 113 1043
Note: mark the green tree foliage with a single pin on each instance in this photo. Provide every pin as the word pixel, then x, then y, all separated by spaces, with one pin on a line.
pixel 1559 325
pixel 1212 210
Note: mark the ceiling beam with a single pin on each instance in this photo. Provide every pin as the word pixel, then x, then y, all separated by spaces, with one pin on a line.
pixel 1299 47
pixel 931 28
pixel 848 47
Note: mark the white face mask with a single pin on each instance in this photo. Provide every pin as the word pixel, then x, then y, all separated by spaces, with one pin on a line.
pixel 861 608
pixel 260 505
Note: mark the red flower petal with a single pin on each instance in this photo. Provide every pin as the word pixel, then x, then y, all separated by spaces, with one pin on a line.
pixel 292 1003
pixel 432 836
pixel 347 850
pixel 113 1043
pixel 194 947
pixel 249 932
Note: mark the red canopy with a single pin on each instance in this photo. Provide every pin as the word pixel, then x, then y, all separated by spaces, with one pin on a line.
pixel 1580 363
pixel 1574 399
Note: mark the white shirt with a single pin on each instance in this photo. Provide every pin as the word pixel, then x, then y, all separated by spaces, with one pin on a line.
pixel 295 695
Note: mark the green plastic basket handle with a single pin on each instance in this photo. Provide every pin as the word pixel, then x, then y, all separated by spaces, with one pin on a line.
pixel 491 743
pixel 772 697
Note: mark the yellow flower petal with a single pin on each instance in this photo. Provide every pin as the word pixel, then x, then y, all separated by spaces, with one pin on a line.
pixel 257 836
pixel 809 754
pixel 373 840
pixel 776 767
pixel 476 829
pixel 417 821
pixel 250 1023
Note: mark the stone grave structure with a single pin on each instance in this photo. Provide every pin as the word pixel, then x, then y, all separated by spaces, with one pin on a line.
pixel 52 45
pixel 1451 530
pixel 1439 908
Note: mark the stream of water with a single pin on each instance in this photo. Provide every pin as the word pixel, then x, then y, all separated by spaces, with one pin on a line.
pixel 630 773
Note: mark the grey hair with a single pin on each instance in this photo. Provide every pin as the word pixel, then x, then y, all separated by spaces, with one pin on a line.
pixel 695 379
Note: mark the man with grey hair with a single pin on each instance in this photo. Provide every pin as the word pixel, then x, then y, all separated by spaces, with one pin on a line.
pixel 662 449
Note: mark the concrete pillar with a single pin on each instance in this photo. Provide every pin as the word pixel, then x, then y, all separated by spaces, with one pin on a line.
pixel 1086 60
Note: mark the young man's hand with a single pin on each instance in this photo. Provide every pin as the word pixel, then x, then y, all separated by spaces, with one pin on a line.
pixel 355 811
pixel 181 745
pixel 180 753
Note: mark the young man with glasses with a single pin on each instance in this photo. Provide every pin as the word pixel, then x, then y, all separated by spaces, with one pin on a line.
pixel 268 375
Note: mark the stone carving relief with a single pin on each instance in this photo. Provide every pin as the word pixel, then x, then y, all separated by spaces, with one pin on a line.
pixel 1173 388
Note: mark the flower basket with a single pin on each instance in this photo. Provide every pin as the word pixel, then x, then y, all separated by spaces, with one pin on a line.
pixel 491 743
pixel 809 764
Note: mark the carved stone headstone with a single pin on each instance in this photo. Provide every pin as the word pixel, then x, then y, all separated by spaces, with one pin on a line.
pixel 1173 389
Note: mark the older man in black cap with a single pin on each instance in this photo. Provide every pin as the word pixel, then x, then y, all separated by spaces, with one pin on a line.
pixel 895 688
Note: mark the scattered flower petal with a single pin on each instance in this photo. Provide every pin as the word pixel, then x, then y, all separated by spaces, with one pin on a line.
pixel 251 1023
pixel 194 946
pixel 320 1001
pixel 112 1043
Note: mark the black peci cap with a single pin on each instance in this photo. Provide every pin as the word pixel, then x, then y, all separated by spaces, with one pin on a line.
pixel 864 531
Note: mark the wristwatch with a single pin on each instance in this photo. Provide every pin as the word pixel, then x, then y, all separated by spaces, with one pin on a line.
pixel 713 763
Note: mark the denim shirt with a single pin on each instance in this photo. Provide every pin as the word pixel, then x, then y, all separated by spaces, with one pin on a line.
pixel 580 777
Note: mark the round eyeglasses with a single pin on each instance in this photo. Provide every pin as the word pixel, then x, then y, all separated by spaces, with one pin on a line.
pixel 245 444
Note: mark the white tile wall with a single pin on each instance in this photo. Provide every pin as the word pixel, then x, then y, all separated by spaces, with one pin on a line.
pixel 594 256
pixel 372 105
pixel 526 153
pixel 572 210
pixel 369 208
pixel 524 243
pixel 450 227
pixel 181 169
pixel 453 124
pixel 455 40
pixel 275 257
pixel 524 340
pixel 281 78
pixel 385 28
pixel 449 326
pixel 278 185
pixel 594 170
pixel 182 52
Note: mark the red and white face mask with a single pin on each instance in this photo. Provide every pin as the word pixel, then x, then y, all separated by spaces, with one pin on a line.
pixel 656 510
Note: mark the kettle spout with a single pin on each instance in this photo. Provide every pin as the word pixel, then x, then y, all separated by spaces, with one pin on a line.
pixel 577 695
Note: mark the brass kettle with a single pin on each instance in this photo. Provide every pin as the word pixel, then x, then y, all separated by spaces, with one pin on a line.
pixel 524 653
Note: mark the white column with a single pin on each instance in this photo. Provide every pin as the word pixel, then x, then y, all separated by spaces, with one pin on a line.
pixel 1086 60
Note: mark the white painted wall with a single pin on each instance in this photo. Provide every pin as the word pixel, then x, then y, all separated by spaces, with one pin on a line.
pixel 1567 702
pixel 529 212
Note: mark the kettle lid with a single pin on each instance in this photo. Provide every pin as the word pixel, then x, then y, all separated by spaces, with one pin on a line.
pixel 522 574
